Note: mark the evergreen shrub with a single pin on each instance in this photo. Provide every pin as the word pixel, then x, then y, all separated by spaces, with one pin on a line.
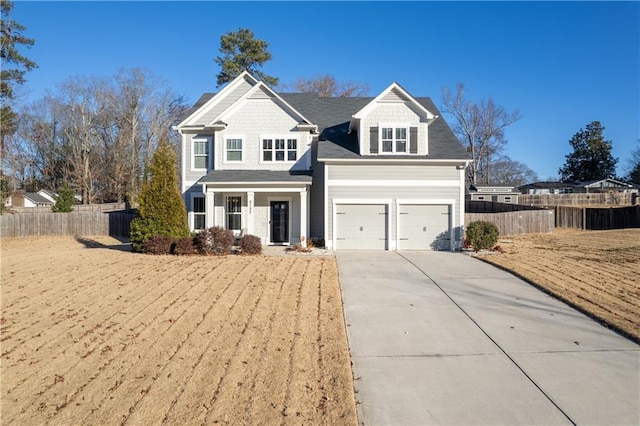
pixel 482 235
pixel 161 210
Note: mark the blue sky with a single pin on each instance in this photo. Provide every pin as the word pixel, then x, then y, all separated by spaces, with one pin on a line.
pixel 562 65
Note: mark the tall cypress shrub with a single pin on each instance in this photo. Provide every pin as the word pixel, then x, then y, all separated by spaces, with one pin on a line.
pixel 161 210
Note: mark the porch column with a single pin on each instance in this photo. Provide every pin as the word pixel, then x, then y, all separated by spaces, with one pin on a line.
pixel 210 197
pixel 303 216
pixel 250 215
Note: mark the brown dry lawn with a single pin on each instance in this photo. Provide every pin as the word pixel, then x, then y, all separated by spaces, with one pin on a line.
pixel 597 271
pixel 91 334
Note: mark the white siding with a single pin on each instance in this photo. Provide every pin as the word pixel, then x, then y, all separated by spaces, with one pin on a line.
pixel 394 172
pixel 224 103
pixel 431 192
pixel 254 119
pixel 190 174
pixel 389 113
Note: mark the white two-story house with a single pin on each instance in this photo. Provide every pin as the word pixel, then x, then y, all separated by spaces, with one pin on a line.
pixel 381 173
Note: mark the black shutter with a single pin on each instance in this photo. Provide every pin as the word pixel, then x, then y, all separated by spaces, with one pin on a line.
pixel 373 140
pixel 413 140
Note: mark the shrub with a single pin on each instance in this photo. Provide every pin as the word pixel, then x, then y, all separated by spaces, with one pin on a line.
pixel 482 235
pixel 158 244
pixel 251 244
pixel 162 210
pixel 315 242
pixel 184 246
pixel 216 240
pixel 65 201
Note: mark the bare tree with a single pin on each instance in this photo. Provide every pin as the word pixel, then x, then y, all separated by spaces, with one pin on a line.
pixel 505 171
pixel 96 134
pixel 79 105
pixel 480 127
pixel 327 86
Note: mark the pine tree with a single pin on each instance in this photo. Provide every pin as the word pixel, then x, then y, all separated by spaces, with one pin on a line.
pixel 66 200
pixel 243 52
pixel 161 210
pixel 591 158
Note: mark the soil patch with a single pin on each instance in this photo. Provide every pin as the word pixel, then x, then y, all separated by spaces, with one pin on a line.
pixel 596 271
pixel 93 334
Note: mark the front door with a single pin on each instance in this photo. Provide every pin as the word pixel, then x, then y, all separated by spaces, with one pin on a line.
pixel 279 221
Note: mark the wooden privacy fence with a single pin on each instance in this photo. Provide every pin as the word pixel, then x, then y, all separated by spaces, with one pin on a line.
pixel 517 222
pixel 74 223
pixel 600 198
pixel 494 207
pixel 597 218
pixel 86 208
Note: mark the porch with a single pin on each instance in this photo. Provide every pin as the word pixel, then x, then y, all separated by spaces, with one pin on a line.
pixel 272 205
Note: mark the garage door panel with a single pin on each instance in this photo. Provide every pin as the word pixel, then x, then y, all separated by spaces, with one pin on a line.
pixel 361 226
pixel 424 227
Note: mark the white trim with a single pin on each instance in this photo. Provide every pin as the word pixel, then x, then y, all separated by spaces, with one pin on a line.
pixel 226 137
pixel 274 98
pixel 215 99
pixel 451 203
pixel 368 107
pixel 254 189
pixel 393 127
pixel 207 140
pixel 392 182
pixel 461 218
pixel 336 201
pixel 242 210
pixel 407 160
pixel 183 165
pixel 326 205
pixel 279 198
pixel 191 211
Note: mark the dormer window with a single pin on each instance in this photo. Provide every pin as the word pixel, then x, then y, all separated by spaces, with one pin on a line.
pixel 393 139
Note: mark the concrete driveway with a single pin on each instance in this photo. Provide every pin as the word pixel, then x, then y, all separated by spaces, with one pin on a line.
pixel 443 338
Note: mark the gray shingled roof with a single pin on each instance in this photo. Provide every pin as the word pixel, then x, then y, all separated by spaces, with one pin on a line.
pixel 37 198
pixel 332 116
pixel 255 176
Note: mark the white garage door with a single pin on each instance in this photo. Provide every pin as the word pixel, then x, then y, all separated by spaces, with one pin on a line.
pixel 361 226
pixel 423 227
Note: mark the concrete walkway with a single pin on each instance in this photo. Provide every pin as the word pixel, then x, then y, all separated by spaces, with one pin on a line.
pixel 443 338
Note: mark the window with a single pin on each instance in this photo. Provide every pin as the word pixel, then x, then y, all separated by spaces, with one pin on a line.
pixel 279 149
pixel 393 139
pixel 234 150
pixel 198 213
pixel 200 153
pixel 234 213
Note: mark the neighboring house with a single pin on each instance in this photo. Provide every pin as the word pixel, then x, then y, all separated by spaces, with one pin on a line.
pixel 605 185
pixel 381 173
pixel 49 195
pixel 494 193
pixel 29 199
pixel 594 186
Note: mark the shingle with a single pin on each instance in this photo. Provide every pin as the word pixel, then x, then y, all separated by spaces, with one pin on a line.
pixel 255 176
pixel 333 115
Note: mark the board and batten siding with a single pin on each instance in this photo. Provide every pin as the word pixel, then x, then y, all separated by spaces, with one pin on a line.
pixel 254 119
pixel 391 113
pixel 393 184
